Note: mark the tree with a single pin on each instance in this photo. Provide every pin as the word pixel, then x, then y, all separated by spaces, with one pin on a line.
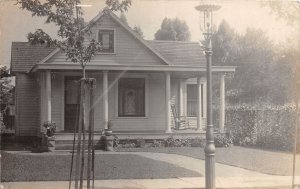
pixel 5 93
pixel 123 18
pixel 263 74
pixel 225 45
pixel 287 10
pixel 138 30
pixel 67 15
pixel 173 30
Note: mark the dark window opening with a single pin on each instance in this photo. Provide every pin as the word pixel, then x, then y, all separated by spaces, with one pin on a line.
pixel 106 39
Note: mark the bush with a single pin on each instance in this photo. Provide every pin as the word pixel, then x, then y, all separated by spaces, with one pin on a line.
pixel 223 141
pixel 170 141
pixel 271 127
pixel 157 143
pixel 198 142
pixel 140 143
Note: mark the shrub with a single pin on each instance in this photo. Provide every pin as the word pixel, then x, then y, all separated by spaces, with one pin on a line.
pixel 170 141
pixel 157 143
pixel 140 143
pixel 270 127
pixel 223 141
pixel 197 142
pixel 116 142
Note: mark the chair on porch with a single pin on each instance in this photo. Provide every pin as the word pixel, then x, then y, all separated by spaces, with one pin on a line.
pixel 180 122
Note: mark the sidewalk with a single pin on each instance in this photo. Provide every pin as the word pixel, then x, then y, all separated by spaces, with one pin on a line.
pixel 226 177
pixel 174 183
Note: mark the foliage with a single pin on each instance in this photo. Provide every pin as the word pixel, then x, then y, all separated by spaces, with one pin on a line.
pixel 123 18
pixel 138 30
pixel 157 143
pixel 5 95
pixel 50 128
pixel 263 69
pixel 67 15
pixel 223 141
pixel 287 10
pixel 198 142
pixel 270 127
pixel 140 143
pixel 173 30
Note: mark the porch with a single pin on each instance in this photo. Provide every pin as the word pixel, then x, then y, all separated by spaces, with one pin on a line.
pixel 185 90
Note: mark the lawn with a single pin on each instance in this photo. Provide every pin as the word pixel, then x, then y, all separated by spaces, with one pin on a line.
pixel 264 161
pixel 56 167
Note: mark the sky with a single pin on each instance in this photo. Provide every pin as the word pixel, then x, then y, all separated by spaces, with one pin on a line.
pixel 148 14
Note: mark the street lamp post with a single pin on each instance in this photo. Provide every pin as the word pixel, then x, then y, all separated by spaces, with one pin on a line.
pixel 207 10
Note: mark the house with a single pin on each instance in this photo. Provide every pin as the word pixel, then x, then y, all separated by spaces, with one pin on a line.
pixel 143 79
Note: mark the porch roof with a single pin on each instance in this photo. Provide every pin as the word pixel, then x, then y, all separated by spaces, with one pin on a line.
pixel 154 68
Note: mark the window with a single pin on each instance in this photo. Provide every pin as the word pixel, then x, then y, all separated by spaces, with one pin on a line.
pixel 106 38
pixel 131 97
pixel 192 100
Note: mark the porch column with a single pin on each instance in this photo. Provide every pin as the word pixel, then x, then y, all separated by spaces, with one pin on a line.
pixel 105 98
pixel 222 103
pixel 181 98
pixel 203 82
pixel 199 116
pixel 48 96
pixel 168 102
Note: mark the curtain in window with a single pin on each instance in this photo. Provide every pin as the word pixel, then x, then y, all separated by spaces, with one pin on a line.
pixel 131 97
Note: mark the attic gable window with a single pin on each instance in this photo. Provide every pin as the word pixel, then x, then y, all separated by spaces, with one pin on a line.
pixel 106 39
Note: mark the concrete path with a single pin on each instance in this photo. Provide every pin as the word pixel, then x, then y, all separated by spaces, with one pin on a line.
pixel 226 177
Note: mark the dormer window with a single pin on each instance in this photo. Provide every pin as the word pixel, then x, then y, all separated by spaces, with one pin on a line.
pixel 106 39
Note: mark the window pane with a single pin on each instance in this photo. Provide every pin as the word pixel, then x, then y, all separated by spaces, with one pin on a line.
pixel 106 38
pixel 131 97
pixel 192 100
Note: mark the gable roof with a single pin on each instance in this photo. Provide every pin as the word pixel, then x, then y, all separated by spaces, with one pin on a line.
pixel 24 56
pixel 180 53
pixel 127 28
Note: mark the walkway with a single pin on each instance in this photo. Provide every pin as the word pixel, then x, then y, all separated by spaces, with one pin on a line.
pixel 226 177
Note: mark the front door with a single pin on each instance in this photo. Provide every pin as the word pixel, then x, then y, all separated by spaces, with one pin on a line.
pixel 71 102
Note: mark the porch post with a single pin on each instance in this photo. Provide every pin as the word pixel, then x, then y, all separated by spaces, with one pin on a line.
pixel 204 82
pixel 222 103
pixel 168 103
pixel 105 98
pixel 181 101
pixel 48 95
pixel 199 116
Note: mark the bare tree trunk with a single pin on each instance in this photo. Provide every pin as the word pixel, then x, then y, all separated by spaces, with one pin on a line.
pixel 78 154
pixel 84 82
pixel 91 131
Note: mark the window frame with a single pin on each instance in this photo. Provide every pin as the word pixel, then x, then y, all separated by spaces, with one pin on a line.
pixel 136 76
pixel 114 39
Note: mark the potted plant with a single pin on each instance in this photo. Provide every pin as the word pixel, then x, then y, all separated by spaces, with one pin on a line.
pixel 108 131
pixel 50 128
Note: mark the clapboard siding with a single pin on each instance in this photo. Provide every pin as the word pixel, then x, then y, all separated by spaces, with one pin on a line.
pixel 155 106
pixel 128 50
pixel 28 105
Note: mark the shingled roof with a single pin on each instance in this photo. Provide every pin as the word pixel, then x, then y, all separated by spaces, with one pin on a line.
pixel 24 56
pixel 180 53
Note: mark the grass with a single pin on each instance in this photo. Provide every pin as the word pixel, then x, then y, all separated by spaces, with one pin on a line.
pixel 56 167
pixel 264 161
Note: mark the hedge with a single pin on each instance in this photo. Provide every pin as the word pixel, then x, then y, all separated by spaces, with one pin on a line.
pixel 271 127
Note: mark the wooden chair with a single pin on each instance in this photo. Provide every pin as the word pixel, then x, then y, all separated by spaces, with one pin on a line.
pixel 180 122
